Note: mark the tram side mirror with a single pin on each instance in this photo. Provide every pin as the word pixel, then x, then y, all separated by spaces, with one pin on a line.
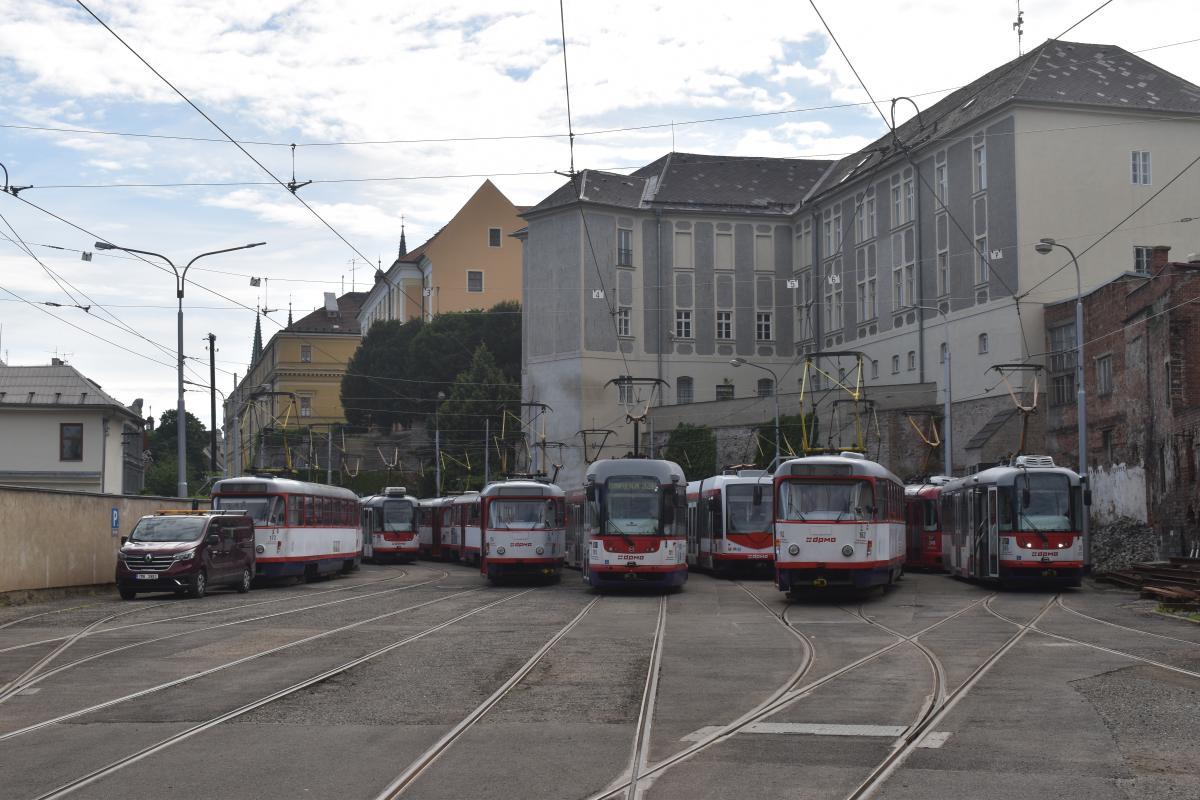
pixel 591 492
pixel 1087 497
pixel 758 494
pixel 714 504
pixel 1025 498
pixel 668 505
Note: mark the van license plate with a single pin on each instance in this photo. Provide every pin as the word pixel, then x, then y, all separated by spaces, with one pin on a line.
pixel 144 576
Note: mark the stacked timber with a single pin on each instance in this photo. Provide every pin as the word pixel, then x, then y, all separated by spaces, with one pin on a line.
pixel 1174 581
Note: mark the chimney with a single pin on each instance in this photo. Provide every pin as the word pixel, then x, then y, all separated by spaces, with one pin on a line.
pixel 1160 258
pixel 57 362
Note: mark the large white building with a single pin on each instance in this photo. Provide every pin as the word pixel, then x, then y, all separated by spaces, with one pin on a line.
pixel 673 270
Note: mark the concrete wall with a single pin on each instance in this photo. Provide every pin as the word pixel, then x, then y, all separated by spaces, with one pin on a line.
pixel 56 538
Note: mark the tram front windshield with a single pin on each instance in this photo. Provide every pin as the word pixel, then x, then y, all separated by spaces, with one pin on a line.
pixel 263 510
pixel 522 514
pixel 632 506
pixel 397 516
pixel 1049 503
pixel 744 515
pixel 810 500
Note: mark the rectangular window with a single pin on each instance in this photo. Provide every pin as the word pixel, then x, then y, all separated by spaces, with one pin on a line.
pixel 683 390
pixel 474 280
pixel 804 298
pixel 834 316
pixel 70 441
pixel 724 325
pixel 827 240
pixel 306 353
pixel 763 327
pixel 1062 348
pixel 625 393
pixel 982 273
pixel 865 266
pixel 624 247
pixel 1104 375
pixel 942 231
pixel 1141 167
pixel 837 230
pixel 906 185
pixel 912 360
pixel 904 270
pixel 940 180
pixel 306 406
pixel 1062 389
pixel 724 391
pixel 979 178
pixel 763 252
pixel 724 251
pixel 683 250
pixel 683 324
pixel 493 237
pixel 1143 258
pixel 806 243
pixel 623 321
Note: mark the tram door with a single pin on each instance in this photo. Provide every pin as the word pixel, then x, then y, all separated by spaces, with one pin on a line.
pixel 368 533
pixel 993 533
pixel 979 528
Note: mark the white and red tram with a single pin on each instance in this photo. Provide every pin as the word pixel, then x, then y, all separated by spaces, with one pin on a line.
pixel 466 535
pixel 303 529
pixel 523 529
pixel 390 526
pixel 627 523
pixel 1018 523
pixel 730 522
pixel 839 521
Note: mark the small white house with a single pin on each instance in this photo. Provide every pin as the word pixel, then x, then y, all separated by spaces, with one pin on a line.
pixel 59 430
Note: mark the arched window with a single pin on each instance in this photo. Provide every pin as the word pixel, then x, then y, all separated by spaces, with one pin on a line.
pixel 766 387
pixel 895 364
pixel 874 368
pixel 983 343
pixel 912 360
pixel 683 390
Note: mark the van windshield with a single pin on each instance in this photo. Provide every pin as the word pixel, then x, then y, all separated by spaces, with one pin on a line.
pixel 168 529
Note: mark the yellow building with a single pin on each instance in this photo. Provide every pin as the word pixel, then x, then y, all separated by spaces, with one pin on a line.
pixel 294 381
pixel 472 262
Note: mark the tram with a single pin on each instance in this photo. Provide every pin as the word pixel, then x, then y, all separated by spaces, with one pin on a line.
pixel 300 529
pixel 390 526
pixel 839 521
pixel 729 522
pixel 1013 524
pixel 626 524
pixel 523 530
pixel 923 530
pixel 465 540
pixel 429 529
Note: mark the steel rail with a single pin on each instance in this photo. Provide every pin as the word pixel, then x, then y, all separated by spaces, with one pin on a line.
pixel 414 770
pixel 115 766
pixel 1070 610
pixel 64 667
pixel 19 620
pixel 641 739
pixel 218 668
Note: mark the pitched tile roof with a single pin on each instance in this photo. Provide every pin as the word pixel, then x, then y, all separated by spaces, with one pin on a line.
pixel 320 321
pixel 56 384
pixel 1056 72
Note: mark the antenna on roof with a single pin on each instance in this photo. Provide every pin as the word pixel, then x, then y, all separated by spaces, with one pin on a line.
pixel 1019 27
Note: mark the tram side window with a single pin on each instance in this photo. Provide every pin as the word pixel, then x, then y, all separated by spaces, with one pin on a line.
pixel 473 514
pixel 309 512
pixel 929 509
pixel 1004 501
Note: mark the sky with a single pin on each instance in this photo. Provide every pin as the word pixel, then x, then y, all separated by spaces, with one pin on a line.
pixel 399 111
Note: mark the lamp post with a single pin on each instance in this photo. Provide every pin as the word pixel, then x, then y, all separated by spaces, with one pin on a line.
pixel 738 362
pixel 437 444
pixel 948 432
pixel 180 281
pixel 1044 247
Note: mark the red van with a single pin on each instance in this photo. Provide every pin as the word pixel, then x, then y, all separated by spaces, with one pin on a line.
pixel 186 552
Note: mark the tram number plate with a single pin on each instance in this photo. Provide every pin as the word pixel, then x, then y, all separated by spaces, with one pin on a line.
pixel 146 577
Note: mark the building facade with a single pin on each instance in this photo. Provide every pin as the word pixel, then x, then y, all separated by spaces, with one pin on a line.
pixel 295 380
pixel 1063 142
pixel 471 263
pixel 60 430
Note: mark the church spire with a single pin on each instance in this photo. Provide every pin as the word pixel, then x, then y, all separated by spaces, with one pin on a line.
pixel 289 313
pixel 257 338
pixel 403 244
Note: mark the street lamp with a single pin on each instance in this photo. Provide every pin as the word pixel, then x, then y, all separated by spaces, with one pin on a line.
pixel 1044 247
pixel 948 432
pixel 737 362
pixel 180 280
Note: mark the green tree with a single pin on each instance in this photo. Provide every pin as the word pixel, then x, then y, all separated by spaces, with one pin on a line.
pixel 693 447
pixel 161 472
pixel 475 407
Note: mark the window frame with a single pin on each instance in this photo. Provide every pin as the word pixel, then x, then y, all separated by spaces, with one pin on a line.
pixel 685 390
pixel 1140 168
pixel 979 165
pixel 624 254
pixel 1104 374
pixel 305 405
pixel 726 389
pixel 497 234
pixel 983 343
pixel 478 272
pixel 764 321
pixel 895 364
pixel 306 354
pixel 76 436
pixel 683 324
pixel 724 326
pixel 1143 258
pixel 625 322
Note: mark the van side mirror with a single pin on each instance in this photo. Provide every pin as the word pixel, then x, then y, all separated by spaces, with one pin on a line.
pixel 213 540
pixel 758 494
pixel 124 539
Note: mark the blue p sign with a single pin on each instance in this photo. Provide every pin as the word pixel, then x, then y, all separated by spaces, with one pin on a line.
pixel 116 519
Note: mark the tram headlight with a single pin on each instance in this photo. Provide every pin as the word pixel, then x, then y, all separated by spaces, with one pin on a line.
pixel 848 550
pixel 260 549
pixel 540 550
pixel 499 551
pixel 794 550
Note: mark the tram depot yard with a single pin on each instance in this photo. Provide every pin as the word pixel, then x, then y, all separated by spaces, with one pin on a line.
pixel 424 680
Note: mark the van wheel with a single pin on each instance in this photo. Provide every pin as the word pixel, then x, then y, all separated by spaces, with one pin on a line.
pixel 199 585
pixel 126 593
pixel 244 584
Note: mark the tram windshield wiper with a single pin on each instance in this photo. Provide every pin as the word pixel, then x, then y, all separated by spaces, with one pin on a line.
pixel 624 536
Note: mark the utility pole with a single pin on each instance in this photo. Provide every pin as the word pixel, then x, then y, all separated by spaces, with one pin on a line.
pixel 329 457
pixel 487 431
pixel 212 400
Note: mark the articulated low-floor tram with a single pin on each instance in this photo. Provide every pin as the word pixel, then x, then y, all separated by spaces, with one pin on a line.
pixel 922 515
pixel 302 529
pixel 626 524
pixel 523 530
pixel 390 526
pixel 1018 523
pixel 730 524
pixel 839 521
